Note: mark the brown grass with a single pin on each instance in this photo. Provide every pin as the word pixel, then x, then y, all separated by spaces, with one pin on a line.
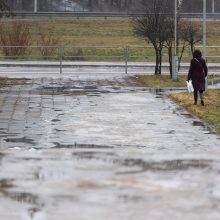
pixel 162 81
pixel 209 113
pixel 5 82
pixel 14 33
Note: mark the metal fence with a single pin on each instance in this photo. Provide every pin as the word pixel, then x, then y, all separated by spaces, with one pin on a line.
pixel 82 14
pixel 123 56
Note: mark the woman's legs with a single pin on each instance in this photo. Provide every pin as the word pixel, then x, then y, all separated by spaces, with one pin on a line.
pixel 201 95
pixel 195 96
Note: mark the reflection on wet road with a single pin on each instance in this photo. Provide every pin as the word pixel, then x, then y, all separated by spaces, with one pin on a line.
pixel 103 150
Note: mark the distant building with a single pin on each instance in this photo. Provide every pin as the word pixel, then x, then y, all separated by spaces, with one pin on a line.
pixel 44 5
pixel 193 6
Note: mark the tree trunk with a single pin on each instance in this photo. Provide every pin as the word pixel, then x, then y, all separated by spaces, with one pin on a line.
pixel 170 60
pixel 181 55
pixel 192 47
pixel 158 51
pixel 160 66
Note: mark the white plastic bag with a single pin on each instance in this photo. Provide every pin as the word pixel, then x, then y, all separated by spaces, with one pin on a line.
pixel 189 86
pixel 206 83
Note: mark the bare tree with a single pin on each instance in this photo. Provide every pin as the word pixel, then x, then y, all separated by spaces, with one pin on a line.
pixel 48 43
pixel 154 26
pixel 157 28
pixel 4 7
pixel 190 34
pixel 169 32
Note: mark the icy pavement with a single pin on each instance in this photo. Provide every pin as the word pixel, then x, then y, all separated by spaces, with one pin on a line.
pixel 103 149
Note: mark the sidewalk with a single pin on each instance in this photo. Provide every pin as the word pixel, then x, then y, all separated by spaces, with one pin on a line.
pixel 38 69
pixel 91 64
pixel 100 148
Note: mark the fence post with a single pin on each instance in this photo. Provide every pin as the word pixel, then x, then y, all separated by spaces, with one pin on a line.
pixel 61 59
pixel 126 56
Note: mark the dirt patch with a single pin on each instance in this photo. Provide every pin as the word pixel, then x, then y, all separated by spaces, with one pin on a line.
pixel 5 82
pixel 131 81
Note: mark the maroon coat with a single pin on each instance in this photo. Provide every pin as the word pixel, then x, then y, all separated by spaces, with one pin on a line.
pixel 197 72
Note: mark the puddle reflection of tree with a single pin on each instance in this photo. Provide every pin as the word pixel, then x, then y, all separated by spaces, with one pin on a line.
pixel 6 186
pixel 173 165
pixel 20 140
pixel 1 157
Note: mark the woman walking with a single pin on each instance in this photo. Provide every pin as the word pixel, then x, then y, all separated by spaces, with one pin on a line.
pixel 197 72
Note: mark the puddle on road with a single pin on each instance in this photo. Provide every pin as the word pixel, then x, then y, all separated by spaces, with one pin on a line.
pixel 63 90
pixel 67 93
pixel 159 96
pixel 20 140
pixel 150 123
pixel 1 155
pixel 81 146
pixel 97 152
pixel 55 120
pixel 172 165
pixel 205 127
pixel 187 115
pixel 199 123
pixel 91 152
pixel 20 197
pixel 196 123
pixel 129 198
pixel 171 132
pixel 94 155
pixel 67 90
pixel 89 90
pixel 28 198
pixel 5 184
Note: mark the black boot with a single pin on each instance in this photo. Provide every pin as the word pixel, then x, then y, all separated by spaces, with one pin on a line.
pixel 201 94
pixel 195 97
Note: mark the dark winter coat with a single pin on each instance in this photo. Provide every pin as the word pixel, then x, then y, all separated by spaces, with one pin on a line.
pixel 197 72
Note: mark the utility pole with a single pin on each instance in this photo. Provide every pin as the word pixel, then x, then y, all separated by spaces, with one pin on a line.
pixel 35 6
pixel 19 5
pixel 175 57
pixel 213 6
pixel 175 27
pixel 204 28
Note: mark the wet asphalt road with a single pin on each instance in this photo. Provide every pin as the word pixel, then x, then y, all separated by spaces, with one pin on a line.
pixel 102 148
pixel 54 69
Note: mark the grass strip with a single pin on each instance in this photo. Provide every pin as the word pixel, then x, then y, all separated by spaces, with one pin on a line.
pixel 209 113
pixel 109 32
pixel 162 81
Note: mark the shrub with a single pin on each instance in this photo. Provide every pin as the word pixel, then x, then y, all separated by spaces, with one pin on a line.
pixel 14 38
pixel 74 54
pixel 48 43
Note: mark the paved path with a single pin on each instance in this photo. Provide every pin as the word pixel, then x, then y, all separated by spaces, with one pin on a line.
pixel 100 148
